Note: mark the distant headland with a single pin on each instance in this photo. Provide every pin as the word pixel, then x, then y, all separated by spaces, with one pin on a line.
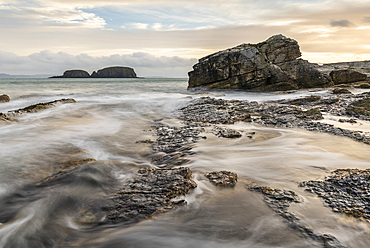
pixel 109 72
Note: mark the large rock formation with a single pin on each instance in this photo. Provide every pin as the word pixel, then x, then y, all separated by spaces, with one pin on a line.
pixel 115 72
pixel 270 65
pixel 109 72
pixel 74 74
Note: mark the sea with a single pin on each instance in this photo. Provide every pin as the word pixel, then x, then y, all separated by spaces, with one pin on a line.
pixel 105 123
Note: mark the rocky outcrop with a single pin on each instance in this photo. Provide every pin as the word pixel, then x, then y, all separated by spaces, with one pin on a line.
pixel 40 106
pixel 222 178
pixel 74 74
pixel 115 72
pixel 109 72
pixel 346 76
pixel 149 192
pixel 7 117
pixel 4 98
pixel 270 65
pixel 346 191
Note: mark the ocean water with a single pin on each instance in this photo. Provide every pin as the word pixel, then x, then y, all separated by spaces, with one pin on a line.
pixel 110 115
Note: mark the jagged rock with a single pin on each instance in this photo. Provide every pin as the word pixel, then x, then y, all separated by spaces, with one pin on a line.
pixel 222 178
pixel 115 72
pixel 269 65
pixel 40 106
pixel 346 76
pixel 5 118
pixel 280 200
pixel 150 191
pixel 360 107
pixel 65 169
pixel 226 132
pixel 74 74
pixel 4 98
pixel 218 111
pixel 175 143
pixel 346 191
pixel 338 91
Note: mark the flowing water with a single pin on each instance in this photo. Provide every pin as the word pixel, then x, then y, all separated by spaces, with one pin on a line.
pixel 110 115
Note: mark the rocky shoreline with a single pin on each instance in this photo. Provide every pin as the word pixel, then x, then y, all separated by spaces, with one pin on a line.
pixel 273 64
pixel 163 186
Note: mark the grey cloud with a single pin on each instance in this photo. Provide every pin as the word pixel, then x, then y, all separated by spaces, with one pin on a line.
pixel 341 23
pixel 47 62
pixel 366 19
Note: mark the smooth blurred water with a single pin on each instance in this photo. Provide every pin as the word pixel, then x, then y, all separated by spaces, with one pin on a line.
pixel 110 115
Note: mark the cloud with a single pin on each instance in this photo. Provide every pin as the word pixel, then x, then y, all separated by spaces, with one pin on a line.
pixel 183 28
pixel 341 23
pixel 47 62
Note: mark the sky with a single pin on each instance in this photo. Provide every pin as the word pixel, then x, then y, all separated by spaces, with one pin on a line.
pixel 165 38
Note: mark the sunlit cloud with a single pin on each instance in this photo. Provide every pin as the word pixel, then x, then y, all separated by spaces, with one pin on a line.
pixel 329 29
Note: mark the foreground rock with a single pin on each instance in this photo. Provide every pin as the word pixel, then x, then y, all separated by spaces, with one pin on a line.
pixel 150 191
pixel 65 169
pixel 270 65
pixel 4 98
pixel 346 191
pixel 173 144
pixel 300 113
pixel 222 178
pixel 280 200
pixel 40 106
pixel 115 72
pixel 8 117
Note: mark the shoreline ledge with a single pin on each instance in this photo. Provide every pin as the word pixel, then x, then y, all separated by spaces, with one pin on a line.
pixel 274 64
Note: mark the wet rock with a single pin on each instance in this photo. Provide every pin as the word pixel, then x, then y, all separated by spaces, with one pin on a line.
pixel 360 107
pixel 279 114
pixel 65 168
pixel 226 132
pixel 346 76
pixel 345 191
pixel 363 86
pixel 313 114
pixel 149 192
pixel 339 91
pixel 4 98
pixel 302 100
pixel 352 120
pixel 215 111
pixel 222 178
pixel 277 199
pixel 40 106
pixel 174 144
pixel 5 118
pixel 280 200
pixel 269 65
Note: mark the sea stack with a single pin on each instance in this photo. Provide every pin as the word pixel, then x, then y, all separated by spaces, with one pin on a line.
pixel 273 64
pixel 115 72
pixel 74 74
pixel 109 72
